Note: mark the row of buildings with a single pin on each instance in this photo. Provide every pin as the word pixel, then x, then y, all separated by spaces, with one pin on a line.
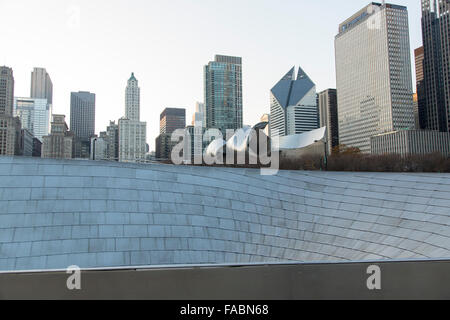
pixel 372 108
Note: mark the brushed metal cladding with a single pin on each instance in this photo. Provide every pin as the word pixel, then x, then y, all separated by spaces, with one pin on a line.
pixel 58 213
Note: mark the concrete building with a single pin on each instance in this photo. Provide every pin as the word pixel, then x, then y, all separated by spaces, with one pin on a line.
pixel 293 105
pixel 420 98
pixel 112 138
pixel 99 147
pixel 373 74
pixel 82 122
pixel 59 144
pixel 411 142
pixel 328 116
pixel 132 132
pixel 170 120
pixel 436 44
pixel 35 115
pixel 10 128
pixel 41 85
pixel 223 93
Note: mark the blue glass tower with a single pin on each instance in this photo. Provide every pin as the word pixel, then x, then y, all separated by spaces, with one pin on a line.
pixel 223 93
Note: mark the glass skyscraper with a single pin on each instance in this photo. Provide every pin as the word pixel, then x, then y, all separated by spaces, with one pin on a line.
pixel 35 115
pixel 373 74
pixel 223 93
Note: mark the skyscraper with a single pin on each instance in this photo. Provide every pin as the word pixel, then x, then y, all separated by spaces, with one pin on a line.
pixel 82 121
pixel 6 91
pixel 35 115
pixel 132 132
pixel 373 74
pixel 82 114
pixel 223 93
pixel 10 128
pixel 436 43
pixel 293 105
pixel 41 85
pixel 132 99
pixel 328 115
pixel 420 98
pixel 170 120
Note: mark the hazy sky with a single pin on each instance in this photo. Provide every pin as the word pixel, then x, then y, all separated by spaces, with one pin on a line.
pixel 94 45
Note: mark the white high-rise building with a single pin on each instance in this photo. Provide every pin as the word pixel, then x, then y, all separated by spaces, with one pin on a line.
pixel 373 74
pixel 132 132
pixel 293 105
pixel 35 115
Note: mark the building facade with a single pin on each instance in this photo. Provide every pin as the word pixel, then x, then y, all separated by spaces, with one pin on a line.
pixel 223 93
pixel 170 120
pixel 328 115
pixel 82 122
pixel 293 105
pixel 37 147
pixel 82 114
pixel 112 138
pixel 420 98
pixel 26 143
pixel 99 147
pixel 41 85
pixel 35 115
pixel 10 128
pixel 436 43
pixel 411 142
pixel 59 143
pixel 132 132
pixel 373 74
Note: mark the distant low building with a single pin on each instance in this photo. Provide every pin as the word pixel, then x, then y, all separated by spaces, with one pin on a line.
pixel 59 144
pixel 411 142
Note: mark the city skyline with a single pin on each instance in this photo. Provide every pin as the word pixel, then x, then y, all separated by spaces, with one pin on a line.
pixel 155 71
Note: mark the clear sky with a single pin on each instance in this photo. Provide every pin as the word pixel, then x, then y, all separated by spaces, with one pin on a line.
pixel 94 45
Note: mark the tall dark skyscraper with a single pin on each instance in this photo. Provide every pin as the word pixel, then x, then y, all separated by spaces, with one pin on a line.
pixel 328 115
pixel 436 43
pixel 223 93
pixel 82 121
pixel 82 114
